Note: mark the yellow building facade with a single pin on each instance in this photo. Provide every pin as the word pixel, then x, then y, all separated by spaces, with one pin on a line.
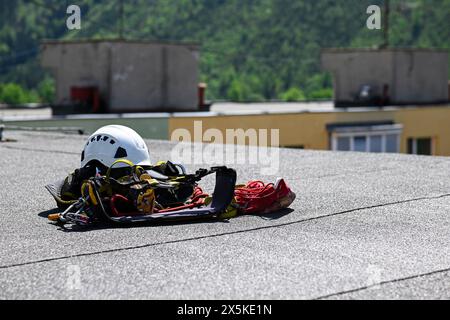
pixel 417 128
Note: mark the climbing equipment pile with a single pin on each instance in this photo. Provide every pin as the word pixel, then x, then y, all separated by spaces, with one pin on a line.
pixel 166 192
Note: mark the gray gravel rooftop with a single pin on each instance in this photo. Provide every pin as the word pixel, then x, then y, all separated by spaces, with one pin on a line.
pixel 364 226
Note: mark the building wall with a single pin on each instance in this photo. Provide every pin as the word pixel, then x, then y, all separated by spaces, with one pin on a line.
pixel 153 76
pixel 420 76
pixel 413 76
pixel 136 84
pixel 77 64
pixel 308 130
pixel 423 123
pixel 351 70
pixel 131 76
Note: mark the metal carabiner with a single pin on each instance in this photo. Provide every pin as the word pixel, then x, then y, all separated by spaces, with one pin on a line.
pixel 62 216
pixel 79 205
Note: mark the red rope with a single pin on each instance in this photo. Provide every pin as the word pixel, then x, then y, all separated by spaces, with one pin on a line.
pixel 197 200
pixel 256 196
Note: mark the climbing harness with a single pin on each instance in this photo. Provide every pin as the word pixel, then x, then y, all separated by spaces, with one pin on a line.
pixel 138 197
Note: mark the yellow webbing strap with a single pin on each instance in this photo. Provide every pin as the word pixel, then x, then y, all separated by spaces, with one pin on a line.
pixel 92 196
pixel 231 211
pixel 88 190
pixel 148 178
pixel 155 183
pixel 127 162
pixel 146 201
pixel 65 202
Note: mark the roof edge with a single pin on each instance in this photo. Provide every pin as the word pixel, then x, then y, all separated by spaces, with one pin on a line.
pixel 112 40
pixel 399 49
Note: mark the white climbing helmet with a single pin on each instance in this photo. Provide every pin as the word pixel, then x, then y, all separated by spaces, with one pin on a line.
pixel 110 143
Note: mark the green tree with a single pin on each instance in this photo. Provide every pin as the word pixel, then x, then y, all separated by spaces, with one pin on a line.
pixel 46 90
pixel 321 94
pixel 293 94
pixel 12 93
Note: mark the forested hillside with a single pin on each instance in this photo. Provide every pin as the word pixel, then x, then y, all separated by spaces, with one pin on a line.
pixel 251 49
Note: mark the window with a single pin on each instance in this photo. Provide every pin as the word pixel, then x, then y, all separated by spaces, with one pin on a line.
pixel 420 146
pixel 376 144
pixel 360 143
pixel 368 138
pixel 343 143
pixel 392 142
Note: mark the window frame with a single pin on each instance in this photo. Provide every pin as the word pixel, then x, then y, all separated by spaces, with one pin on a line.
pixel 353 132
pixel 415 145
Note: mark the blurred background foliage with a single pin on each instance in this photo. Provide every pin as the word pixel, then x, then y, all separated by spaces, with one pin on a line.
pixel 252 50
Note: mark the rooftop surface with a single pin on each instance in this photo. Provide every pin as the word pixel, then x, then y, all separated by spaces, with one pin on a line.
pixel 364 226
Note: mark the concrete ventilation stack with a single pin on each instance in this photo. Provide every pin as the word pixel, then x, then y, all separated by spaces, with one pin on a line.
pixel 380 77
pixel 124 76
